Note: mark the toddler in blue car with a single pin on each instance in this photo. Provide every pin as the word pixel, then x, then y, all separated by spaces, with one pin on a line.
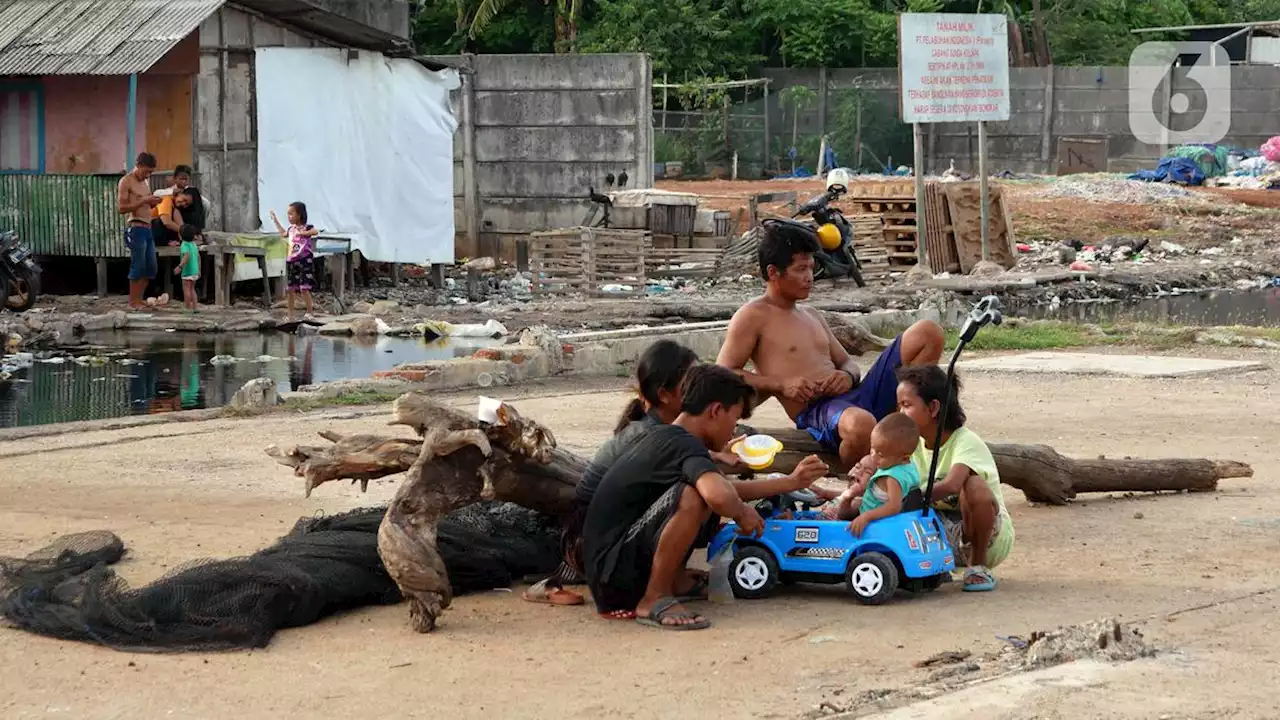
pixel 891 478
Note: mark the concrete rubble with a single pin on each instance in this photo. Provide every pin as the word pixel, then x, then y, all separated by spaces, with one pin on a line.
pixel 256 395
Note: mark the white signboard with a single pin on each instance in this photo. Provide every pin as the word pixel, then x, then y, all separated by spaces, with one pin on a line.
pixel 954 67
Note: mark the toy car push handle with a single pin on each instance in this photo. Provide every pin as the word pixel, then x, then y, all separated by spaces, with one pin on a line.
pixel 986 312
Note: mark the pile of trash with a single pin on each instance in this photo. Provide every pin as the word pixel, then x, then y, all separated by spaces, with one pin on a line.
pixel 12 364
pixel 432 329
pixel 1110 187
pixel 1188 165
pixel 500 283
pixel 1218 166
pixel 261 359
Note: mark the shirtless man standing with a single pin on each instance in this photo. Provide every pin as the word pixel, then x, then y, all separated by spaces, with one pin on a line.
pixel 136 202
pixel 798 360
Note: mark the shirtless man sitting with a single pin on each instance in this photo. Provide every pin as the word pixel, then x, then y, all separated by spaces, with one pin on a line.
pixel 798 360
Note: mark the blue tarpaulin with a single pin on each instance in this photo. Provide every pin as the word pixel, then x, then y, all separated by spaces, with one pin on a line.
pixel 1173 169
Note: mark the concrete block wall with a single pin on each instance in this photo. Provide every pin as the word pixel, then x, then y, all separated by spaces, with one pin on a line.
pixel 1079 102
pixel 226 128
pixel 389 16
pixel 541 129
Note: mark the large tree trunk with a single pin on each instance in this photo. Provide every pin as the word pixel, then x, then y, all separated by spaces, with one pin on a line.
pixel 1046 476
pixel 459 461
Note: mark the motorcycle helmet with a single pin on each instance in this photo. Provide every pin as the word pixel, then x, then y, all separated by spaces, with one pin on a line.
pixel 838 180
pixel 829 236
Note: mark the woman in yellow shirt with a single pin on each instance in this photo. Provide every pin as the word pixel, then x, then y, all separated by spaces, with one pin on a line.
pixel 967 491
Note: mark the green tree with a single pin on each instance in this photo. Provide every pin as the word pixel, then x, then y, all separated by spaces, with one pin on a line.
pixel 1098 32
pixel 686 39
pixel 798 98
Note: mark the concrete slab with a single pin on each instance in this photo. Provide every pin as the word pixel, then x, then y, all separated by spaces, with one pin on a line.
pixel 1144 366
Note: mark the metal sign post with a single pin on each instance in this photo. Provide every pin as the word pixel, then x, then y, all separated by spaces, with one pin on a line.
pixel 982 188
pixel 954 68
pixel 918 166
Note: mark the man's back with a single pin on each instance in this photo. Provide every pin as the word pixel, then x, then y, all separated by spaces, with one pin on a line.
pixel 609 453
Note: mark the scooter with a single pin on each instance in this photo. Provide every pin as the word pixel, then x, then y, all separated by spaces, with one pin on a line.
pixel 19 274
pixel 837 257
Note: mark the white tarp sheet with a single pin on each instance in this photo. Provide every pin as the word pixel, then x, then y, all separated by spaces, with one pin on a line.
pixel 366 143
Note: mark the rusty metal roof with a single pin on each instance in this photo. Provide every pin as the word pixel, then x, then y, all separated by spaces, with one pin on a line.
pixel 94 37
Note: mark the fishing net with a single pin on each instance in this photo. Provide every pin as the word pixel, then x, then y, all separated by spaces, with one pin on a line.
pixel 324 565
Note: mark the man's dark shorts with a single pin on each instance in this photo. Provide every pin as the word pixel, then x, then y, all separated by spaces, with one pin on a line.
pixel 625 586
pixel 142 252
pixel 877 394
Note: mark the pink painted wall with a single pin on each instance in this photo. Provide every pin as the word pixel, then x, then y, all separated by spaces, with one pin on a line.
pixel 85 123
pixel 86 116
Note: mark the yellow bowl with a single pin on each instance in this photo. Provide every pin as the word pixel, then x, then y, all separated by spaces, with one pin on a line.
pixel 757 451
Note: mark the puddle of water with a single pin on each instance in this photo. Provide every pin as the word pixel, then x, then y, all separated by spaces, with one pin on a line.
pixel 1259 308
pixel 176 372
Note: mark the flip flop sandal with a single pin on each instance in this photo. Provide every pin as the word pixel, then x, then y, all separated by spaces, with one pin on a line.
pixel 986 582
pixel 664 609
pixel 618 615
pixel 542 594
pixel 700 590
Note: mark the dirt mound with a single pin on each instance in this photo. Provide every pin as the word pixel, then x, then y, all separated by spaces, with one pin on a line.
pixel 1105 640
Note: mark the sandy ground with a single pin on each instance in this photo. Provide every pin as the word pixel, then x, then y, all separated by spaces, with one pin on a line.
pixel 1188 569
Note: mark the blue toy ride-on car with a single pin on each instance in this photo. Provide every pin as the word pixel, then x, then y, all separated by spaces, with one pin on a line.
pixel 908 550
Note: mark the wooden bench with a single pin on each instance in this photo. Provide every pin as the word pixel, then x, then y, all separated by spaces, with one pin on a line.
pixel 224 260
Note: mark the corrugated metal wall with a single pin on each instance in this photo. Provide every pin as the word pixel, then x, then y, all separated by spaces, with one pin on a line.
pixel 74 392
pixel 72 215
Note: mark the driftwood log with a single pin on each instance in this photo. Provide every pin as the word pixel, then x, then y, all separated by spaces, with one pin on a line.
pixel 1046 476
pixel 457 461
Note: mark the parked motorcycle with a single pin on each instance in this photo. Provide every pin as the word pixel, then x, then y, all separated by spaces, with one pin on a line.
pixel 19 273
pixel 837 257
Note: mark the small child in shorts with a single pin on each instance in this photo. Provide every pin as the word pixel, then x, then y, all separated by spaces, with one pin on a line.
pixel 300 268
pixel 189 264
pixel 893 476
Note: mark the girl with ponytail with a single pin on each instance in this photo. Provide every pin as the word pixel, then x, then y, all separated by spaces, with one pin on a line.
pixel 657 386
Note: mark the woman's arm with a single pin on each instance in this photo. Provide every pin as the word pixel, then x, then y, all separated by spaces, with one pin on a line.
pixel 951 484
pixel 174 221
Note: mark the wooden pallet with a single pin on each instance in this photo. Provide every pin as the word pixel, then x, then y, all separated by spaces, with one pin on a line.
pixel 680 262
pixel 952 223
pixel 584 260
pixel 882 189
pixel 939 238
pixel 875 264
pixel 868 243
pixel 964 203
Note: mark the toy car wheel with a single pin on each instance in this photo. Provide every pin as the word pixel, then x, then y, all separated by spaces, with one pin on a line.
pixel 753 573
pixel 872 578
pixel 933 582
